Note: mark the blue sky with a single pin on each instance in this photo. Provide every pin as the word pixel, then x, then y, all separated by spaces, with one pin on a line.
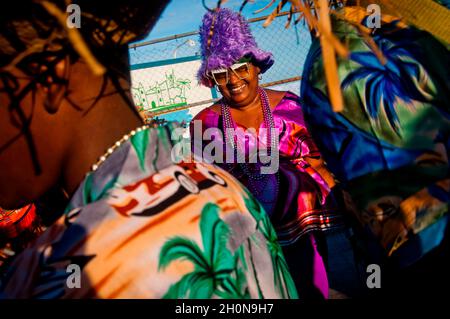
pixel 182 16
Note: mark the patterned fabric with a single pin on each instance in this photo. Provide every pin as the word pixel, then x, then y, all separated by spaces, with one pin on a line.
pixel 390 145
pixel 18 227
pixel 13 222
pixel 143 227
pixel 298 199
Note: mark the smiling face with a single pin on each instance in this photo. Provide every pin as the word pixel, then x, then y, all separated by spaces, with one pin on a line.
pixel 240 92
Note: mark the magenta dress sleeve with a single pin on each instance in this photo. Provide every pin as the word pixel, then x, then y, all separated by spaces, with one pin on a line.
pixel 295 141
pixel 206 119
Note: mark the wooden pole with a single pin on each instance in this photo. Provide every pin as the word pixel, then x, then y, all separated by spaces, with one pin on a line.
pixel 329 58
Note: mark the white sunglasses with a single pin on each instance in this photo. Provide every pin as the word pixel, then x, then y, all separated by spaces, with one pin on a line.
pixel 221 76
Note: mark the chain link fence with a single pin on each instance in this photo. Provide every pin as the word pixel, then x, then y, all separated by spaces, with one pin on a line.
pixel 163 71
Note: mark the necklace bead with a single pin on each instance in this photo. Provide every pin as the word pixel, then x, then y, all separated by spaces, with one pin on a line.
pixel 271 143
pixel 116 145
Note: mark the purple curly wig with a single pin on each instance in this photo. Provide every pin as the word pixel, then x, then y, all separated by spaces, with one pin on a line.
pixel 231 40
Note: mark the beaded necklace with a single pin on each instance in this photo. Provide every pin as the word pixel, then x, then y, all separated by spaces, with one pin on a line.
pixel 272 142
pixel 116 145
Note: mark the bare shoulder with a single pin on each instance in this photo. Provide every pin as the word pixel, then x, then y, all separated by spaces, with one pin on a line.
pixel 215 108
pixel 275 97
